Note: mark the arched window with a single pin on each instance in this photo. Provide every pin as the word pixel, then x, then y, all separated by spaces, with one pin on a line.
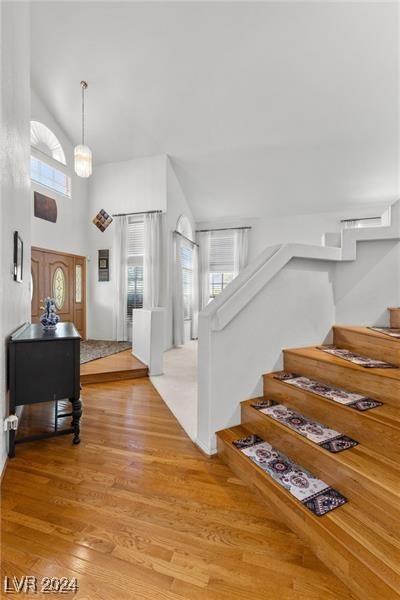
pixel 48 164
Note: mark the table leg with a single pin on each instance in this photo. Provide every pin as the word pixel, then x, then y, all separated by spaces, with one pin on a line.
pixel 11 443
pixel 76 417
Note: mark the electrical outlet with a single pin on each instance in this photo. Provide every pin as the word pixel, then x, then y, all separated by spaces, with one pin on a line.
pixel 11 422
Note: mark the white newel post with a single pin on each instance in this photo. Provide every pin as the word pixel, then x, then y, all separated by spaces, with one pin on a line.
pixel 148 337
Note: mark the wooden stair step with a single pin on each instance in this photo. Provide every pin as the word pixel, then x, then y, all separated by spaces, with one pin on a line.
pixel 359 473
pixel 367 342
pixel 380 384
pixel 363 557
pixel 376 428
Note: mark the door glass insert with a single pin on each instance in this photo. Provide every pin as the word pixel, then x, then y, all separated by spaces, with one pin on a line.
pixel 59 285
pixel 78 283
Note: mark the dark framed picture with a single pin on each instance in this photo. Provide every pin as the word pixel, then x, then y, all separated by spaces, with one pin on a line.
pixel 18 257
pixel 104 265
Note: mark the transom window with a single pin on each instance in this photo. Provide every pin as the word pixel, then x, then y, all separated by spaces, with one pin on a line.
pixel 48 164
pixel 44 140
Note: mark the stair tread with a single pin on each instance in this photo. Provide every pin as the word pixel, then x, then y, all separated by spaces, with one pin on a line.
pixel 385 414
pixel 312 352
pixel 370 332
pixel 345 522
pixel 362 460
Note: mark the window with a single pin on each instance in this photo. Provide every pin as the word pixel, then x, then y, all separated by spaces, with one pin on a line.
pixel 48 164
pixel 44 140
pixel 135 266
pixel 187 279
pixel 50 177
pixel 222 253
pixel 363 222
pixel 218 281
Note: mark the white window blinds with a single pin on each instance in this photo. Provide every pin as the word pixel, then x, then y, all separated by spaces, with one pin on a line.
pixel 135 243
pixel 222 252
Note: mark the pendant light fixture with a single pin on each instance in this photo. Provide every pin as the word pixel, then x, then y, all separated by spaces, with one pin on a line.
pixel 82 153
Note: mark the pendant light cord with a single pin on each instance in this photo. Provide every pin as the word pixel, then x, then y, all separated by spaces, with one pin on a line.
pixel 83 114
pixel 83 86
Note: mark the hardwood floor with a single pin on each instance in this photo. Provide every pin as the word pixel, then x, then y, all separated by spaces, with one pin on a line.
pixel 116 367
pixel 138 512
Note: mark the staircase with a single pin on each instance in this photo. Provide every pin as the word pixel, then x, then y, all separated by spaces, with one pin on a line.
pixel 359 540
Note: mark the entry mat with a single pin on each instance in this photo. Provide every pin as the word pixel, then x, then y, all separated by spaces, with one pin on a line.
pixel 315 494
pixel 350 399
pixel 357 359
pixel 392 331
pixel 316 432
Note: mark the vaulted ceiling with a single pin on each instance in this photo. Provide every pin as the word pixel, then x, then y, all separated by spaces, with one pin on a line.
pixel 265 108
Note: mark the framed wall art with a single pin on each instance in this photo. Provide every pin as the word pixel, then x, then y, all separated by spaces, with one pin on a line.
pixel 18 257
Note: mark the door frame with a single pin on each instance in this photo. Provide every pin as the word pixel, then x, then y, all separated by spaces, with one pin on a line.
pixel 84 277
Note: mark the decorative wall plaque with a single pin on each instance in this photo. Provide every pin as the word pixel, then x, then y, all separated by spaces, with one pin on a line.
pixel 102 220
pixel 45 207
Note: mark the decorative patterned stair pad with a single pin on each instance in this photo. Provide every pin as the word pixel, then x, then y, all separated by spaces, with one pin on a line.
pixel 357 359
pixel 316 495
pixel 316 432
pixel 392 331
pixel 350 399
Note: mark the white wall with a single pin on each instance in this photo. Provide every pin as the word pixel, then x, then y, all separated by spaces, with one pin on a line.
pixel 69 233
pixel 366 287
pixel 296 308
pixel 177 206
pixel 15 180
pixel 129 186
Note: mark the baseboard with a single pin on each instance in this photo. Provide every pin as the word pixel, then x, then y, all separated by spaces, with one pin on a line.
pixel 209 451
pixel 3 472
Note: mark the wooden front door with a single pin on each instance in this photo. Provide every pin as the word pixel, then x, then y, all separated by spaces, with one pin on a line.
pixel 62 277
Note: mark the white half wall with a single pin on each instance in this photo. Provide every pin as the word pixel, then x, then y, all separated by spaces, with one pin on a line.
pixel 15 208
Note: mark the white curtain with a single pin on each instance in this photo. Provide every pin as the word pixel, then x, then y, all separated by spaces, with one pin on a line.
pixel 152 260
pixel 241 249
pixel 178 312
pixel 204 268
pixel 121 332
pixel 195 293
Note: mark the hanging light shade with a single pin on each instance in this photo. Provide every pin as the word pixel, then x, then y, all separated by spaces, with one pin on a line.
pixel 83 160
pixel 82 153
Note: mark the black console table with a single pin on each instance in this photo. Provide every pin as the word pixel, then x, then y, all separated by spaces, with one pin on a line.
pixel 45 366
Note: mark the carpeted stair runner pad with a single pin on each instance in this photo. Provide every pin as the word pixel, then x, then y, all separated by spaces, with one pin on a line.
pixel 316 432
pixel 392 331
pixel 313 493
pixel 350 399
pixel 357 359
